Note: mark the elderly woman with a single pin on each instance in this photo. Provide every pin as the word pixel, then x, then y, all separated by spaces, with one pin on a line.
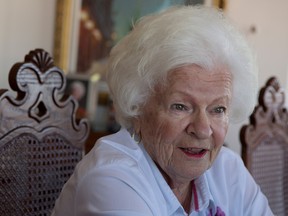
pixel 177 80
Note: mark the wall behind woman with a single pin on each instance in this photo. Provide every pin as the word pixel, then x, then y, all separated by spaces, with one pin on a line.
pixel 24 25
pixel 263 23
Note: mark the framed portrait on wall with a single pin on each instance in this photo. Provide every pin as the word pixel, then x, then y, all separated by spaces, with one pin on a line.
pixel 86 30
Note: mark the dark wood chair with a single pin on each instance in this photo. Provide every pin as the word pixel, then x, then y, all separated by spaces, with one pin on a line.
pixel 40 139
pixel 265 146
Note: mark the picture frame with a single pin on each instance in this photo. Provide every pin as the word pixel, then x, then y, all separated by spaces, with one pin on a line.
pixel 69 16
pixel 221 4
pixel 66 34
pixel 84 88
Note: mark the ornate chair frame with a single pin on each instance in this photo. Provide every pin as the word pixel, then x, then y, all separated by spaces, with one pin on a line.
pixel 265 145
pixel 40 139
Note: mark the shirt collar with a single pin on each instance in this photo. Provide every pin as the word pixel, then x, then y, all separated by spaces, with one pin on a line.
pixel 171 201
pixel 202 199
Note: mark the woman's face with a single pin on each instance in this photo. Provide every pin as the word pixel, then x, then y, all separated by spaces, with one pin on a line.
pixel 183 125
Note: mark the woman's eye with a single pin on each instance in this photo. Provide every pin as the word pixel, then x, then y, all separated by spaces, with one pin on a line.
pixel 179 107
pixel 220 109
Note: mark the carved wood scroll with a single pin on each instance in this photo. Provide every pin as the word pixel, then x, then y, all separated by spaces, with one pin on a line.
pixel 265 146
pixel 38 104
pixel 268 120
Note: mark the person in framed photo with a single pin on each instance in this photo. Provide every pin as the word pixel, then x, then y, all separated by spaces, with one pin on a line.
pixel 78 90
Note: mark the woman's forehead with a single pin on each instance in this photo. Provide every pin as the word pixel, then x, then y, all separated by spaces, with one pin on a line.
pixel 197 73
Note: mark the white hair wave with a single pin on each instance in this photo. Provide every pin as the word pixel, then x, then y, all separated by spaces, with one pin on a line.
pixel 178 36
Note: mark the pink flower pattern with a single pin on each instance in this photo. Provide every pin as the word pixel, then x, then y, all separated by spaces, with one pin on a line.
pixel 219 212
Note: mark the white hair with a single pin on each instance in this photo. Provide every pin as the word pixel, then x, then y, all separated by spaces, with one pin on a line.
pixel 178 36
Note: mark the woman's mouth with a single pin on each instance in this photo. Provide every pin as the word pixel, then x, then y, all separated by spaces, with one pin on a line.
pixel 194 152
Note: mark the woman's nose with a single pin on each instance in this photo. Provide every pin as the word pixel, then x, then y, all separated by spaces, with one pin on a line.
pixel 200 125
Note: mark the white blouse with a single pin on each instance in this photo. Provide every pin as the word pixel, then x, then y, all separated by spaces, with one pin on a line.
pixel 118 178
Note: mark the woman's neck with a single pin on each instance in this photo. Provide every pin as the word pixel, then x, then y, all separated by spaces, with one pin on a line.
pixel 181 189
pixel 184 195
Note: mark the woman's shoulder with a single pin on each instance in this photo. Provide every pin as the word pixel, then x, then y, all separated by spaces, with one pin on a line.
pixel 109 177
pixel 114 156
pixel 114 150
pixel 118 146
pixel 230 182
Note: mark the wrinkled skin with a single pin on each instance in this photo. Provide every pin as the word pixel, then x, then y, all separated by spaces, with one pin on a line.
pixel 183 124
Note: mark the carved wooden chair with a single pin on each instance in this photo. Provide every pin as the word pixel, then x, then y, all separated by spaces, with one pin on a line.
pixel 40 139
pixel 265 146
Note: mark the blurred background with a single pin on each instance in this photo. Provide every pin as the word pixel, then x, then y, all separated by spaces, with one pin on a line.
pixel 80 33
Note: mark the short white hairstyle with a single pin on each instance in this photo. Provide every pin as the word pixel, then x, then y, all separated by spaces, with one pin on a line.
pixel 179 36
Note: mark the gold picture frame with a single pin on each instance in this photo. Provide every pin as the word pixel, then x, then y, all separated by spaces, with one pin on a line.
pixel 66 34
pixel 222 4
pixel 67 30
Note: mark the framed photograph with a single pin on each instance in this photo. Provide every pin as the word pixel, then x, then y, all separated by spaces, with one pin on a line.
pixel 86 30
pixel 84 88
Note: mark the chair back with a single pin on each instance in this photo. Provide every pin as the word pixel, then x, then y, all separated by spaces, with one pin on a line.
pixel 265 146
pixel 40 139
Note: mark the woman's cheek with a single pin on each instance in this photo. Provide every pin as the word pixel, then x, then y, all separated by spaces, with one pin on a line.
pixel 158 141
